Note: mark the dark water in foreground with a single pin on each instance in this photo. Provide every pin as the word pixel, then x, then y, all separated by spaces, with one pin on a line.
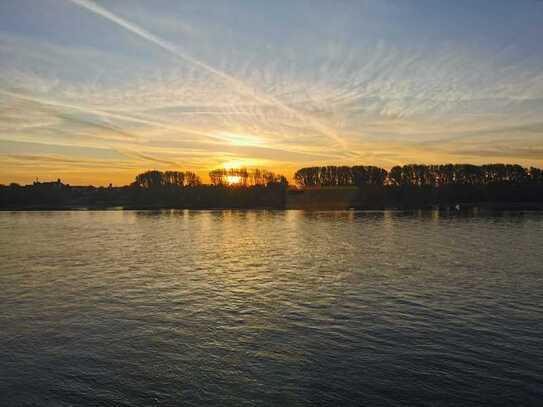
pixel 270 308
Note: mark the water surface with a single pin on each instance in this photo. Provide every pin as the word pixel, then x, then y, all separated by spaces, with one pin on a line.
pixel 264 308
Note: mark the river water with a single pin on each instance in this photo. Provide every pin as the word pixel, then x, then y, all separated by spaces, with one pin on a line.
pixel 264 308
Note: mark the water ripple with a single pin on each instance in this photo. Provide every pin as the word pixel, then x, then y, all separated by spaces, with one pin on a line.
pixel 270 308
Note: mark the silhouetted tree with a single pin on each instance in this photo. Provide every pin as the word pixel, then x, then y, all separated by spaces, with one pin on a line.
pixel 245 177
pixel 406 186
pixel 149 179
pixel 174 178
pixel 157 179
pixel 218 176
pixel 340 176
pixel 191 179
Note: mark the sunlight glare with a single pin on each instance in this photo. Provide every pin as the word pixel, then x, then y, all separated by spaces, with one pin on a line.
pixel 233 179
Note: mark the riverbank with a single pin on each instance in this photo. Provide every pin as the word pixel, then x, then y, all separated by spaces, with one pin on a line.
pixel 334 206
pixel 277 196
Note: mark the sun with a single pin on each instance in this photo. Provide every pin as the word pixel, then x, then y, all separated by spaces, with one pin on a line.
pixel 233 179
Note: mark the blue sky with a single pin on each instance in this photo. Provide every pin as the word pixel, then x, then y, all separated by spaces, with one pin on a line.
pixel 94 92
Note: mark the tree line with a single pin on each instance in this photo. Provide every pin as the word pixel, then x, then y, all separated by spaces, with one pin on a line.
pixel 158 179
pixel 332 175
pixel 156 189
pixel 407 186
pixel 245 177
pixel 222 176
pixel 417 175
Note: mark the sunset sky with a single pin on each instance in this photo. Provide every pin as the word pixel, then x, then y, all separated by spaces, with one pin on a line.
pixel 95 92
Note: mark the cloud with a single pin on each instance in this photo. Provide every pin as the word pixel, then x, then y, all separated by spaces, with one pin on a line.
pixel 147 157
pixel 307 85
pixel 506 153
pixel 237 85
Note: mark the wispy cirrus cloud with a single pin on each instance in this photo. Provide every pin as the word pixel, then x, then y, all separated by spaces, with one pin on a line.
pixel 189 85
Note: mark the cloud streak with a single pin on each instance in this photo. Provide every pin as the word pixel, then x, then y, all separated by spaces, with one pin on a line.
pixel 237 85
pixel 263 83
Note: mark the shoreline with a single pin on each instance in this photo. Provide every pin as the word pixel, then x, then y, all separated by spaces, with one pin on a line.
pixel 467 207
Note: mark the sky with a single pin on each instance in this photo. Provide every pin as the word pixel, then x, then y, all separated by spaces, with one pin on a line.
pixel 94 92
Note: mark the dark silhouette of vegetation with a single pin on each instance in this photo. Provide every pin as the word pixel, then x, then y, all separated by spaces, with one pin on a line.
pixel 154 189
pixel 447 185
pixel 244 177
pixel 157 179
pixel 358 175
pixel 416 175
pixel 425 186
pixel 365 187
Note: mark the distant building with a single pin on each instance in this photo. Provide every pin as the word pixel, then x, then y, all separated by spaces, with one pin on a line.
pixel 49 185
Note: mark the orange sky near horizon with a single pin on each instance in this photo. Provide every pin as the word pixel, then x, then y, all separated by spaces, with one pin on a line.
pixel 97 92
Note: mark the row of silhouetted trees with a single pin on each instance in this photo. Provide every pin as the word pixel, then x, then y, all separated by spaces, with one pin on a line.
pixel 158 179
pixel 232 177
pixel 448 174
pixel 230 188
pixel 407 186
pixel 417 175
pixel 244 177
pixel 340 176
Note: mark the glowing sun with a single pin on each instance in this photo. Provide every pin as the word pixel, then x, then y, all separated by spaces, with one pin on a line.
pixel 233 179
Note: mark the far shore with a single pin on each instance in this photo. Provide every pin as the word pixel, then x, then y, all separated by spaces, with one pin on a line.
pixel 484 206
pixel 452 187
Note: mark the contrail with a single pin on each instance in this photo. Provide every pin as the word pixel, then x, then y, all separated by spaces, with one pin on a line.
pixel 99 113
pixel 236 84
pixel 103 113
pixel 147 157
